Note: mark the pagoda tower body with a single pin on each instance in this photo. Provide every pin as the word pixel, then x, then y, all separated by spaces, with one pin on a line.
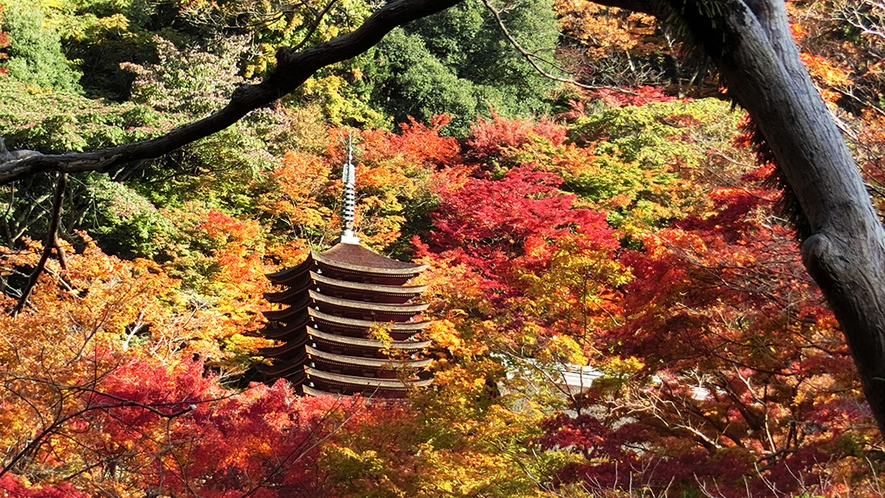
pixel 333 302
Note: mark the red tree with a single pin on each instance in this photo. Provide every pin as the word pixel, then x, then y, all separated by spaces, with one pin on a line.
pixel 731 374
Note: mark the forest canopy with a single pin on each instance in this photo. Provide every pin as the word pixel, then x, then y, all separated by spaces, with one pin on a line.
pixel 577 176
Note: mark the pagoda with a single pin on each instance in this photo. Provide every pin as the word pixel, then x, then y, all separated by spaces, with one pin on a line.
pixel 335 304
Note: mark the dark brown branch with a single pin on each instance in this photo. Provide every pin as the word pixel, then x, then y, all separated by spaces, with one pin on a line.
pixel 51 241
pixel 293 69
pixel 119 402
pixel 303 449
pixel 315 24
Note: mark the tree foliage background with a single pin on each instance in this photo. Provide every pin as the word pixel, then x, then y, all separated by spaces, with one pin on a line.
pixel 622 225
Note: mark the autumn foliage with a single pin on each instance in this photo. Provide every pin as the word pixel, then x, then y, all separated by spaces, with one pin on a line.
pixel 730 366
pixel 4 44
pixel 553 246
pixel 618 306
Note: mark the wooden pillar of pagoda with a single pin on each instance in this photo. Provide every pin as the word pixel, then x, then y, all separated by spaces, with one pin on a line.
pixel 331 304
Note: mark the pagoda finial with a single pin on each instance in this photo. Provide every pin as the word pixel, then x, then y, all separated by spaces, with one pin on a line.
pixel 349 202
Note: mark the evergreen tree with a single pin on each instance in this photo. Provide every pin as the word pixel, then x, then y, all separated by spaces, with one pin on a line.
pixel 458 62
pixel 35 53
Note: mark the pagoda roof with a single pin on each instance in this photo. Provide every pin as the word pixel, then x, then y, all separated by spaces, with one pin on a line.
pixel 286 275
pixel 409 309
pixel 312 391
pixel 353 380
pixel 287 314
pixel 318 315
pixel 287 332
pixel 293 346
pixel 287 368
pixel 357 258
pixel 366 362
pixel 408 290
pixel 366 343
pixel 288 294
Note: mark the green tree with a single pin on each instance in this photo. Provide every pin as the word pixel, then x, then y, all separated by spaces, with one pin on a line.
pixel 458 62
pixel 35 52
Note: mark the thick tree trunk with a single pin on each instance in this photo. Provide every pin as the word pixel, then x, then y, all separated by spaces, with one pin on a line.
pixel 845 249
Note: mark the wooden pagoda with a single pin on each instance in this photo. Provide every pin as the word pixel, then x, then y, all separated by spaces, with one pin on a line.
pixel 333 302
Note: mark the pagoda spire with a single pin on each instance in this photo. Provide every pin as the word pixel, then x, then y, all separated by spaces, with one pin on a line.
pixel 348 207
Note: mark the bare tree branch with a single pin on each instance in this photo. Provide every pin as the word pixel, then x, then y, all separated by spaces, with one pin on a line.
pixel 314 24
pixel 51 242
pixel 866 15
pixel 302 450
pixel 293 69
pixel 162 409
pixel 532 58
pixel 529 56
pixel 59 250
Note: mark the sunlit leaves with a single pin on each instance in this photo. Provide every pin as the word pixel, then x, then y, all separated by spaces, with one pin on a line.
pixel 649 160
pixel 34 50
pixel 612 46
pixel 192 82
pixel 294 198
pixel 604 31
pixel 729 336
pixel 100 388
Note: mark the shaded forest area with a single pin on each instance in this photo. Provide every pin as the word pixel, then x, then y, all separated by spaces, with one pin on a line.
pixel 580 184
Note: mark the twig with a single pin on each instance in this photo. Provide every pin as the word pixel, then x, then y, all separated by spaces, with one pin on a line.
pixel 60 420
pixel 51 241
pixel 315 24
pixel 59 251
pixel 291 458
pixel 530 57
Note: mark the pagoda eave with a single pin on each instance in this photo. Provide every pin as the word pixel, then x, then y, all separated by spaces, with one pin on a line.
pixel 292 323
pixel 289 275
pixel 292 346
pixel 319 316
pixel 379 363
pixel 392 290
pixel 372 382
pixel 341 340
pixel 367 306
pixel 292 367
pixel 291 296
pixel 287 315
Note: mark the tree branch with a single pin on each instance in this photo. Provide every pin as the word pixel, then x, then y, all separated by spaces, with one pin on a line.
pixel 314 24
pixel 528 56
pixel 293 69
pixel 48 245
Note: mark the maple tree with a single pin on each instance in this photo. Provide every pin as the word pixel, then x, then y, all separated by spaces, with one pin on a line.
pixel 101 391
pixel 793 93
pixel 791 119
pixel 520 295
pixel 726 364
pixel 620 233
pixel 714 347
pixel 626 48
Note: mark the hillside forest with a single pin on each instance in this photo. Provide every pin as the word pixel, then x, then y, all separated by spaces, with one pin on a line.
pixel 589 201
